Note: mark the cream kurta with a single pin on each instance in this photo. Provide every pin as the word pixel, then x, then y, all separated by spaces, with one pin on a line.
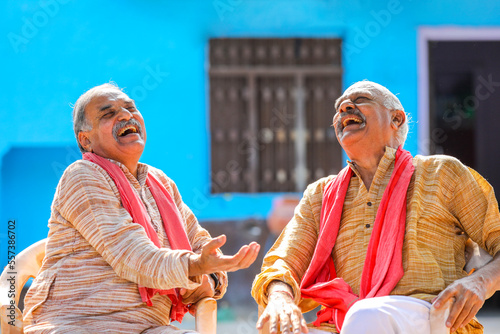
pixel 96 256
pixel 446 204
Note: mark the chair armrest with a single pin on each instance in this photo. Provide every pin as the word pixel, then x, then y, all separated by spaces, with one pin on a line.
pixel 206 316
pixel 11 320
pixel 25 265
pixel 475 256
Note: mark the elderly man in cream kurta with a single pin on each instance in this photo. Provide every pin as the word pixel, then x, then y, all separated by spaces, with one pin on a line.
pixel 98 258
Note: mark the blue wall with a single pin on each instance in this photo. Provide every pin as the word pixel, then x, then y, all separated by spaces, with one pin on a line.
pixel 54 50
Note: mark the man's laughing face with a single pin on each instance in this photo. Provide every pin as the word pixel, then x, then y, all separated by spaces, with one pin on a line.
pixel 118 131
pixel 361 118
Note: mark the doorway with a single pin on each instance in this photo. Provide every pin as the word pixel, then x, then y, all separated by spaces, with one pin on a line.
pixel 459 95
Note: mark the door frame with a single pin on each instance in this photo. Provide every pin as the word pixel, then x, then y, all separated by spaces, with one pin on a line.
pixel 446 33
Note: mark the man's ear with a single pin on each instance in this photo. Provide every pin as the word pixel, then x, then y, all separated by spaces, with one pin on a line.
pixel 398 118
pixel 84 140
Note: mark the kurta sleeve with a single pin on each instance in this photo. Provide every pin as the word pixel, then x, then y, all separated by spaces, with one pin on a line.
pixel 473 202
pixel 289 257
pixel 86 199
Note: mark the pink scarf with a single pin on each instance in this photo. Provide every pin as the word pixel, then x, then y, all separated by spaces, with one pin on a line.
pixel 383 266
pixel 172 222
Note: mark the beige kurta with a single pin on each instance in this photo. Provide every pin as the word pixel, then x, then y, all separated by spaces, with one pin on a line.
pixel 96 256
pixel 446 204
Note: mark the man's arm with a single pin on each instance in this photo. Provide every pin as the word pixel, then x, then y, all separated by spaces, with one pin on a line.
pixel 198 237
pixel 470 293
pixel 277 287
pixel 86 199
pixel 213 284
pixel 474 204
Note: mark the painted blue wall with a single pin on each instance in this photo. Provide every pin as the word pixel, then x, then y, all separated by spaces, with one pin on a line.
pixel 54 50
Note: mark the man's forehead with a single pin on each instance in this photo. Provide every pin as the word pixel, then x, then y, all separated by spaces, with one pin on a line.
pixel 360 88
pixel 110 96
pixel 105 100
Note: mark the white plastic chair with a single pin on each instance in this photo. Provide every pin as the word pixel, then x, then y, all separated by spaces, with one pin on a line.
pixel 28 263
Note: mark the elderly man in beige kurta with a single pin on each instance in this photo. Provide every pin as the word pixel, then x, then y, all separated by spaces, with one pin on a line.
pixel 378 262
pixel 97 256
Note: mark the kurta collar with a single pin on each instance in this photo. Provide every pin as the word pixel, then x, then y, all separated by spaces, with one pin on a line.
pixel 384 165
pixel 142 173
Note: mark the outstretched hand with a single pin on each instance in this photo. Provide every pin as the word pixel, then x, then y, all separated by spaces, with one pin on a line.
pixel 210 260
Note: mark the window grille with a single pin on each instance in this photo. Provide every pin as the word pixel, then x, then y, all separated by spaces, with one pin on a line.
pixel 271 107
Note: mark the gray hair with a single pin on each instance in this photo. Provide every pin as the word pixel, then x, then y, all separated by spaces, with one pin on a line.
pixel 80 121
pixel 389 100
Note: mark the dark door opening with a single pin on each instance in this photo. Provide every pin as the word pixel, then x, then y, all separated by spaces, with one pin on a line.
pixel 464 110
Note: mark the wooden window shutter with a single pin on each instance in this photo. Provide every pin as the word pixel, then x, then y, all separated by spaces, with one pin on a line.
pixel 271 107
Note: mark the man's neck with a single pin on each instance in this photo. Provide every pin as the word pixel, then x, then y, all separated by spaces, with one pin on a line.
pixel 132 168
pixel 366 163
pixel 131 165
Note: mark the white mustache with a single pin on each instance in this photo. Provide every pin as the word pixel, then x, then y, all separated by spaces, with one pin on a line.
pixel 122 124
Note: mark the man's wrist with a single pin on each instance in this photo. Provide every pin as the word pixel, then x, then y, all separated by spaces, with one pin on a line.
pixel 194 265
pixel 282 293
pixel 280 288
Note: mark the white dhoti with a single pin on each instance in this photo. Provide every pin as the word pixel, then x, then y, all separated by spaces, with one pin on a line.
pixel 388 315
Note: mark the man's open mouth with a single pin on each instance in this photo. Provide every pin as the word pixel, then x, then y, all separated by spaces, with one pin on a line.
pixel 351 119
pixel 127 130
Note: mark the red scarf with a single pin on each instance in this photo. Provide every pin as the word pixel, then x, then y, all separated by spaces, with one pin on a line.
pixel 172 222
pixel 383 266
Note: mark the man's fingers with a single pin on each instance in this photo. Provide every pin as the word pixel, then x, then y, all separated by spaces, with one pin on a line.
pixel 250 256
pixel 231 263
pixel 273 323
pixel 284 322
pixel 473 311
pixel 262 320
pixel 212 261
pixel 443 297
pixel 192 309
pixel 296 323
pixel 244 258
pixel 303 325
pixel 456 310
pixel 465 310
pixel 462 317
pixel 215 243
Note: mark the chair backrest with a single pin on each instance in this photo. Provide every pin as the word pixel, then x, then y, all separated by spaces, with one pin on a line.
pixel 14 276
pixel 27 264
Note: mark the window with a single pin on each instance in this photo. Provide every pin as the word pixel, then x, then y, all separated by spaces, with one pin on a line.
pixel 271 107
